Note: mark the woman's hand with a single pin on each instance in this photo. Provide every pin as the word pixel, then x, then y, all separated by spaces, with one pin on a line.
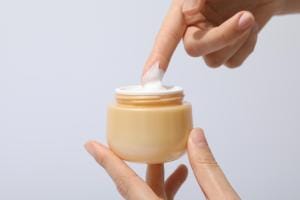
pixel 129 184
pixel 209 175
pixel 222 31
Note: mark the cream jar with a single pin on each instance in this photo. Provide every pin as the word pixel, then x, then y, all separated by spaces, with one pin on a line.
pixel 149 126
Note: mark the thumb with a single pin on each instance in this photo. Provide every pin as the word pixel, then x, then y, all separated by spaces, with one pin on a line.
pixel 209 175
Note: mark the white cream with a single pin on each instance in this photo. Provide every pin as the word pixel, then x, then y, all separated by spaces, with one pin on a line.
pixel 152 79
pixel 141 90
pixel 151 84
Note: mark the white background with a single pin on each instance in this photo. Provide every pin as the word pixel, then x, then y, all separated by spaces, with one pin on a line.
pixel 60 61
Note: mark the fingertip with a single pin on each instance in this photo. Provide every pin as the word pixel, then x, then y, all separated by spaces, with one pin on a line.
pixel 175 180
pixel 92 147
pixel 213 61
pixel 198 138
pixel 232 65
pixel 183 166
pixel 198 131
pixel 184 170
pixel 90 144
pixel 191 50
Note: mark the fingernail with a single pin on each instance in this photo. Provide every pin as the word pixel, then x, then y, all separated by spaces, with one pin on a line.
pixel 198 138
pixel 245 21
pixel 90 148
pixel 190 5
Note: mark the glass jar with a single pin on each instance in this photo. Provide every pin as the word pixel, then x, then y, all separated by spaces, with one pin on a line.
pixel 149 127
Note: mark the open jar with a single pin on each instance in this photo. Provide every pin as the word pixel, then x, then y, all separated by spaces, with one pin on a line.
pixel 149 126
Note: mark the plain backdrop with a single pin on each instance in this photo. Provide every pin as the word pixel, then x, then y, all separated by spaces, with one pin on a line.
pixel 60 62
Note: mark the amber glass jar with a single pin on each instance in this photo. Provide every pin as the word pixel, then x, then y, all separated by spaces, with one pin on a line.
pixel 149 127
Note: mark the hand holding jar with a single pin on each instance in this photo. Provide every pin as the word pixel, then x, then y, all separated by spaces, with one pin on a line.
pixel 209 175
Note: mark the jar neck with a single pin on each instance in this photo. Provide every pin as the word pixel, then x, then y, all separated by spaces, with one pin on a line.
pixel 150 100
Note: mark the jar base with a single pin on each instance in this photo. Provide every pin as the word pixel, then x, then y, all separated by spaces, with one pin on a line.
pixel 142 159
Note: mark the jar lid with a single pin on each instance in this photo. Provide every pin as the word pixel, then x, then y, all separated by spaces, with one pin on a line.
pixel 137 90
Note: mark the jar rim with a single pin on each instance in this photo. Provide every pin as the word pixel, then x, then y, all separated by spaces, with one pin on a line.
pixel 138 90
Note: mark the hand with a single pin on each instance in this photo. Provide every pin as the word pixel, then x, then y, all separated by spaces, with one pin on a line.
pixel 222 31
pixel 209 175
pixel 129 184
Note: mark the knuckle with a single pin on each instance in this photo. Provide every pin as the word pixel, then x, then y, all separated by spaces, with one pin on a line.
pixel 252 42
pixel 206 160
pixel 193 17
pixel 213 61
pixel 256 28
pixel 233 63
pixel 230 64
pixel 192 49
pixel 199 167
pixel 251 48
pixel 204 163
pixel 238 61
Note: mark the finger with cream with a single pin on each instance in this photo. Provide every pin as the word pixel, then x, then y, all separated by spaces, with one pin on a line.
pixel 152 79
pixel 151 84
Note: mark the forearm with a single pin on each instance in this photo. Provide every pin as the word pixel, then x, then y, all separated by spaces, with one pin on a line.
pixel 289 7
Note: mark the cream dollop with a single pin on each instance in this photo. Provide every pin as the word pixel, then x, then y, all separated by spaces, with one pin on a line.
pixel 151 84
pixel 152 79
pixel 141 90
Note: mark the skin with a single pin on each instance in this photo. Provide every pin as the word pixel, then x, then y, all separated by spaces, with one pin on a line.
pixel 209 175
pixel 220 31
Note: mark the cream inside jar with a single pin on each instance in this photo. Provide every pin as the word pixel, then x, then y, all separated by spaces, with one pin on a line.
pixel 151 85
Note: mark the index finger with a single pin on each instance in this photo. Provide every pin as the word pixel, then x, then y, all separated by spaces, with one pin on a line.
pixel 128 183
pixel 171 32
